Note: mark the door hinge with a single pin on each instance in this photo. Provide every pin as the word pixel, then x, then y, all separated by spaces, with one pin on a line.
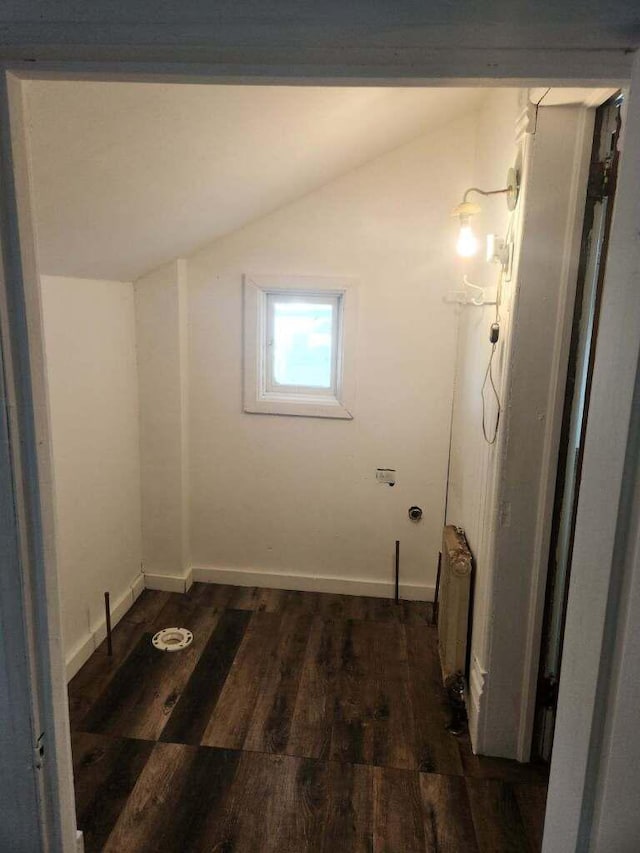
pixel 599 179
pixel 39 752
pixel 548 692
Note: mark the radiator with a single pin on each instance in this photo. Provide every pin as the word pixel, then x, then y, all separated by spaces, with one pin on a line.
pixel 453 606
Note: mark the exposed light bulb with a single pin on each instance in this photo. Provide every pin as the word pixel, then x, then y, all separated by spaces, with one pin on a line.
pixel 467 244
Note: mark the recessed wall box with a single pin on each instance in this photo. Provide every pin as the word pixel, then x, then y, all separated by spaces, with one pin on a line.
pixel 386 475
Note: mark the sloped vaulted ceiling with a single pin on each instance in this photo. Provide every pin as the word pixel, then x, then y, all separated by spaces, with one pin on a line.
pixel 127 176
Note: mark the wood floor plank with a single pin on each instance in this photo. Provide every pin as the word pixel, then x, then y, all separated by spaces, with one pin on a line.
pixel 351 721
pixel 382 610
pixel 532 801
pixel 271 719
pixel 146 688
pixel 96 674
pixel 331 607
pixel 373 717
pixel 147 606
pixel 349 817
pixel 260 599
pixel 179 612
pixel 313 715
pixel 105 772
pixel 168 807
pixel 436 750
pixel 276 804
pixel 504 769
pixel 369 608
pixel 447 821
pixel 189 718
pixel 232 714
pixel 305 810
pixel 497 819
pixel 316 712
pixel 297 603
pixel 417 612
pixel 257 599
pixel 392 723
pixel 345 606
pixel 212 595
pixel 397 811
pixel 271 600
pixel 245 598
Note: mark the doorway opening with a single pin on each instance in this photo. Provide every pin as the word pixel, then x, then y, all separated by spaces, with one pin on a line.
pixel 603 172
pixel 166 577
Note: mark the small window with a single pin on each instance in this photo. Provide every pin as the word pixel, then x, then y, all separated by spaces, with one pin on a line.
pixel 299 340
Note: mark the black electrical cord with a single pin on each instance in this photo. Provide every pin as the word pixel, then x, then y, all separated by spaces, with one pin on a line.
pixel 489 376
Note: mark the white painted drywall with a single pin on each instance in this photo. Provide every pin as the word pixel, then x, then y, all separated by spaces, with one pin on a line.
pixel 503 494
pixel 220 155
pixel 473 461
pixel 91 370
pixel 296 495
pixel 549 235
pixel 161 337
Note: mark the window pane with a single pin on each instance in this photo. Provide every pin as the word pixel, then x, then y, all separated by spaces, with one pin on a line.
pixel 302 344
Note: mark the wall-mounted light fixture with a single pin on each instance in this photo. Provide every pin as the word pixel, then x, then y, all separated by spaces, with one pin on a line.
pixel 467 244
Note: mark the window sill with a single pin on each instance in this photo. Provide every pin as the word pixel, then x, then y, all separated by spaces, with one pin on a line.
pixel 312 407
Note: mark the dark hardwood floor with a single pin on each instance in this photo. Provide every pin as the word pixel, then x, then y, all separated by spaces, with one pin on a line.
pixel 294 722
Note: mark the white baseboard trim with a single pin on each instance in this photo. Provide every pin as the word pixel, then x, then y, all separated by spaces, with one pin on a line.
pixel 138 586
pixel 477 684
pixel 310 583
pixel 98 631
pixel 169 583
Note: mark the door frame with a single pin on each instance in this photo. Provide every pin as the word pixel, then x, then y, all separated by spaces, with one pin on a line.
pixel 31 488
pixel 567 453
pixel 555 156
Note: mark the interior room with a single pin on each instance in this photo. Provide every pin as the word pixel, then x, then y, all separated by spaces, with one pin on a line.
pixel 291 333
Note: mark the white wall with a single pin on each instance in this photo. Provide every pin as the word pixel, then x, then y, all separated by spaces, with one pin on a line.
pixel 161 335
pixel 555 180
pixel 503 494
pixel 91 369
pixel 298 496
pixel 474 463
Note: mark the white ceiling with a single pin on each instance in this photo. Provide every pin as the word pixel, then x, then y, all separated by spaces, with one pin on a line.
pixel 127 176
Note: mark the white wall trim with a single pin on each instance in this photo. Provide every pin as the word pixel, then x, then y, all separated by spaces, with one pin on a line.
pixel 477 683
pixel 550 96
pixel 310 583
pixel 553 423
pixel 138 586
pixel 169 583
pixel 602 564
pixel 379 65
pixel 535 381
pixel 39 668
pixel 98 631
pixel 339 402
pixel 526 121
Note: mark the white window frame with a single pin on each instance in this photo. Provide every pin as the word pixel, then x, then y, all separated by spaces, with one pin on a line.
pixel 262 395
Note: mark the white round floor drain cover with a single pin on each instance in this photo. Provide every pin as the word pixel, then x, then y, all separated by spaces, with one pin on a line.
pixel 172 639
